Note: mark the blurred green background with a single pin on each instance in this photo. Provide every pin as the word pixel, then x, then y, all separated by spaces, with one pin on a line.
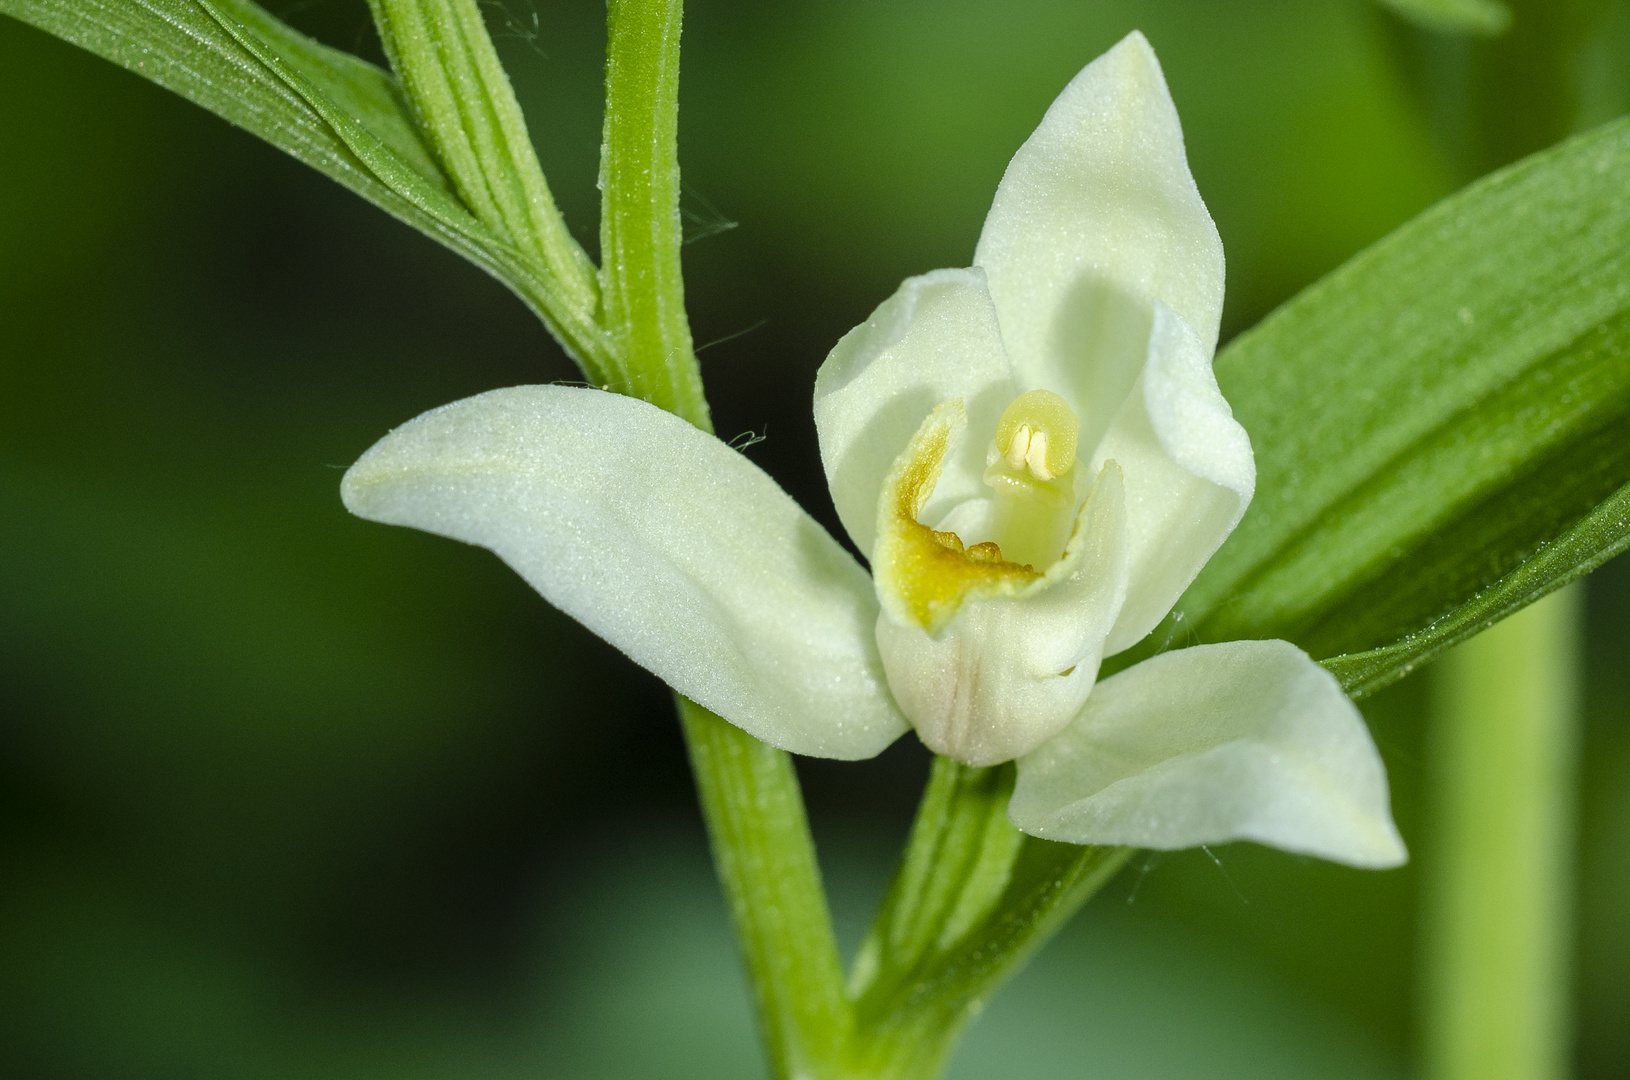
pixel 286 794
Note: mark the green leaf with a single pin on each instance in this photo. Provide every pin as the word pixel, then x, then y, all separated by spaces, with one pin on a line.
pixel 1602 534
pixel 972 899
pixel 1442 426
pixel 1487 17
pixel 957 864
pixel 184 47
pixel 330 110
pixel 466 107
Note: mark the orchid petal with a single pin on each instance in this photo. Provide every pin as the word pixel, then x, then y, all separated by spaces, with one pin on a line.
pixel 1244 740
pixel 1097 216
pixel 1189 471
pixel 934 340
pixel 660 539
pixel 1012 668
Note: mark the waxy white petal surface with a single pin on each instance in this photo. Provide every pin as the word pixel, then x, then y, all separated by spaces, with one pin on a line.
pixel 1243 740
pixel 660 539
pixel 934 340
pixel 1189 471
pixel 1097 216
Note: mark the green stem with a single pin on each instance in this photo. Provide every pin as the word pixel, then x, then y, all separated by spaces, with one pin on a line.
pixel 974 898
pixel 642 284
pixel 766 862
pixel 749 792
pixel 972 901
pixel 1497 912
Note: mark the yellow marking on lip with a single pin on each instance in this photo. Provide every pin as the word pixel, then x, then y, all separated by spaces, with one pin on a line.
pixel 928 574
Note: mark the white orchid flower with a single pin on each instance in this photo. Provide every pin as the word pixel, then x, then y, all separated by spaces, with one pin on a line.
pixel 1035 457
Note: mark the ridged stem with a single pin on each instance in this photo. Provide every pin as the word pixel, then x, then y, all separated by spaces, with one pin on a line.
pixel 766 864
pixel 641 281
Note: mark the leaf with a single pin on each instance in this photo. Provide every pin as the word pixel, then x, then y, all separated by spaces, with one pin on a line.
pixel 972 899
pixel 467 110
pixel 1602 534
pixel 957 864
pixel 332 111
pixel 359 89
pixel 1487 17
pixel 1442 426
pixel 184 47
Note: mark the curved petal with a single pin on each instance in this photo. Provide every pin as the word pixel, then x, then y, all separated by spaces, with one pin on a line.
pixel 1097 216
pixel 1011 669
pixel 934 340
pixel 662 540
pixel 1190 474
pixel 1245 740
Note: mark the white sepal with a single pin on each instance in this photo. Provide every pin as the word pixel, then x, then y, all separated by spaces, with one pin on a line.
pixel 1096 217
pixel 1190 474
pixel 660 539
pixel 1244 740
pixel 934 340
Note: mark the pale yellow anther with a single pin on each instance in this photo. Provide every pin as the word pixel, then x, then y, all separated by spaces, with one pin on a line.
pixel 1037 432
pixel 1018 449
